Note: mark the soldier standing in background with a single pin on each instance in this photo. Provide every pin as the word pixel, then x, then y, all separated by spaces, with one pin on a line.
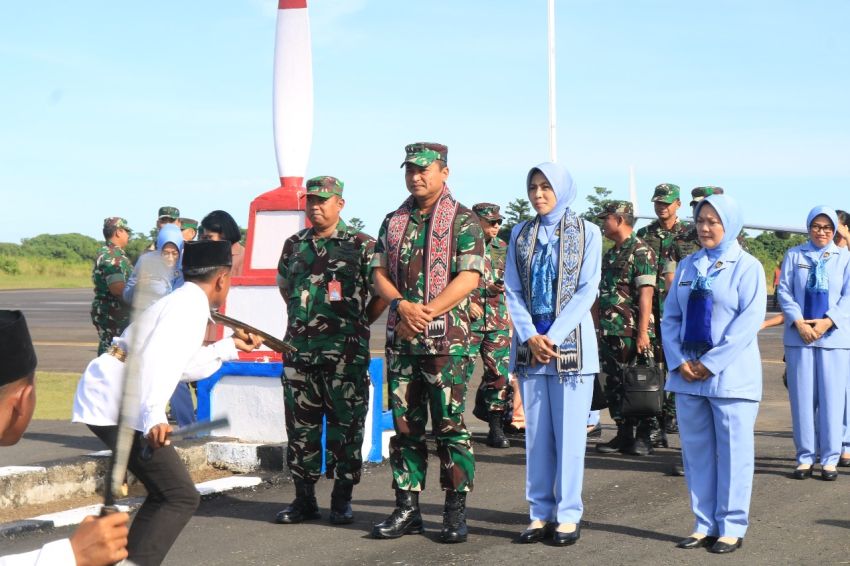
pixel 112 268
pixel 428 259
pixel 323 276
pixel 659 235
pixel 189 227
pixel 629 271
pixel 491 326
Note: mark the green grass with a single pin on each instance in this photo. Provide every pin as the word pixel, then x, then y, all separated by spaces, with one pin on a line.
pixel 54 395
pixel 19 272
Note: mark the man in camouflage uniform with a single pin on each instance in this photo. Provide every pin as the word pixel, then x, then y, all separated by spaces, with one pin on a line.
pixel 659 235
pixel 428 259
pixel 165 215
pixel 112 268
pixel 189 228
pixel 490 329
pixel 323 277
pixel 629 271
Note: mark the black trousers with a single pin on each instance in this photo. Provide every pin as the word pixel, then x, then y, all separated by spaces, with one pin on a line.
pixel 172 498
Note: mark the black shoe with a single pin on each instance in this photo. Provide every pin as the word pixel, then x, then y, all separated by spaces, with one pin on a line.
pixel 677 470
pixel 694 542
pixel 658 437
pixel 803 473
pixel 496 438
pixel 595 432
pixel 303 508
pixel 828 475
pixel 725 548
pixel 530 536
pixel 405 518
pixel 844 462
pixel 671 425
pixel 620 443
pixel 341 513
pixel 642 446
pixel 454 517
pixel 566 539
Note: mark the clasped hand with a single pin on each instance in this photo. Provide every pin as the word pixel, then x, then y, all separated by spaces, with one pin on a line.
pixel 813 329
pixel 694 370
pixel 415 318
pixel 542 349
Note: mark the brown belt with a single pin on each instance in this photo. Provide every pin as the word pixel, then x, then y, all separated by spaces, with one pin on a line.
pixel 117 352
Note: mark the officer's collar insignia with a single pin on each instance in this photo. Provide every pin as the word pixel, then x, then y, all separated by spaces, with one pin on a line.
pixel 825 255
pixel 718 265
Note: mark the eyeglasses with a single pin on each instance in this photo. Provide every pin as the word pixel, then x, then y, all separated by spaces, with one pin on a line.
pixel 495 223
pixel 824 228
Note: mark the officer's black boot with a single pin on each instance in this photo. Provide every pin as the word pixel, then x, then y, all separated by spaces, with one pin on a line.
pixel 496 438
pixel 405 518
pixel 620 443
pixel 670 424
pixel 304 507
pixel 341 513
pixel 658 435
pixel 454 517
pixel 642 446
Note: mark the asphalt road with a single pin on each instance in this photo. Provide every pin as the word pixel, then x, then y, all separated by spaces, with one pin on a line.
pixel 634 512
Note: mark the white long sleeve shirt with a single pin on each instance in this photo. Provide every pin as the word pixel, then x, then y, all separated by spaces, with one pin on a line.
pixel 168 336
pixel 56 553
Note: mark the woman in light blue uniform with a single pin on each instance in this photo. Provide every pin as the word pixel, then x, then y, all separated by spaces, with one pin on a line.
pixel 712 316
pixel 552 276
pixel 814 293
pixel 842 240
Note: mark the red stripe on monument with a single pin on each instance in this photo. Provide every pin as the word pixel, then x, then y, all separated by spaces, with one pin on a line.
pixel 291 4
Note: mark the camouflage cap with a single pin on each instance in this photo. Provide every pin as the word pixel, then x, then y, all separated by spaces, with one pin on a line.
pixel 700 193
pixel 324 186
pixel 169 212
pixel 616 207
pixel 424 154
pixel 188 223
pixel 487 211
pixel 115 222
pixel 666 192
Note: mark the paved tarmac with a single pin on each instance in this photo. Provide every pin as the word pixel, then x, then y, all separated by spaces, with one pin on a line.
pixel 634 512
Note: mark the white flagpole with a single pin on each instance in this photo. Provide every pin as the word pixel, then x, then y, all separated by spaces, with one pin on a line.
pixel 633 189
pixel 553 148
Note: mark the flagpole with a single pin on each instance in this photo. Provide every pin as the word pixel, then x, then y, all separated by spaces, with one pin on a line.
pixel 553 148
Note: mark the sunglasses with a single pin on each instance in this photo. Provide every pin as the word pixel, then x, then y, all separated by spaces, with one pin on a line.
pixel 495 222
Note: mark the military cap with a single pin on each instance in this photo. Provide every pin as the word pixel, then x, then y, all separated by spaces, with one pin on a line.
pixel 207 253
pixel 700 193
pixel 115 222
pixel 666 192
pixel 487 211
pixel 616 207
pixel 188 223
pixel 17 355
pixel 324 186
pixel 424 154
pixel 168 212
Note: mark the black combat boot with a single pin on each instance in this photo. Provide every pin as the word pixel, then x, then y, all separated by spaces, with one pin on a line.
pixel 341 513
pixel 670 424
pixel 405 518
pixel 454 517
pixel 657 435
pixel 620 443
pixel 642 446
pixel 496 438
pixel 304 507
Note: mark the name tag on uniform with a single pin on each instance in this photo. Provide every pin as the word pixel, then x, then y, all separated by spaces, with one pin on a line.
pixel 685 283
pixel 334 290
pixel 804 266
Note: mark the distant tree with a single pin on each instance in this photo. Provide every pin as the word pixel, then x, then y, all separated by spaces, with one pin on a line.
pixel 137 246
pixel 356 224
pixel 598 201
pixel 65 247
pixel 517 211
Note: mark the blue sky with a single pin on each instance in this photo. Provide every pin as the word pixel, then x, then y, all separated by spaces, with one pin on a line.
pixel 114 108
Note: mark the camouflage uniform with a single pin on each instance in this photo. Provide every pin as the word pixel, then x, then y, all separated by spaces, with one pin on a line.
pixel 490 335
pixel 624 271
pixel 109 314
pixel 431 372
pixel 328 375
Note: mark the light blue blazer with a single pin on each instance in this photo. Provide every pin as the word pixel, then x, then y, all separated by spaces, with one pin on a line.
pixel 575 313
pixel 792 293
pixel 740 300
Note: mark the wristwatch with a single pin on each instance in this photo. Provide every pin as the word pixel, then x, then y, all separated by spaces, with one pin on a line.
pixel 394 303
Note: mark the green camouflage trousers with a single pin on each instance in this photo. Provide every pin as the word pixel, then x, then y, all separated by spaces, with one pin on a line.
pixel 109 322
pixel 417 384
pixel 614 351
pixel 340 393
pixel 495 349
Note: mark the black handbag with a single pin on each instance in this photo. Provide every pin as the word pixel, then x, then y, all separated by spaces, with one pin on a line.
pixel 643 387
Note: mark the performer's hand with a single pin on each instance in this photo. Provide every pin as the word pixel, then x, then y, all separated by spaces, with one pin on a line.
pixel 542 348
pixel 247 342
pixel 416 315
pixel 494 289
pixel 158 435
pixel 642 342
pixel 699 370
pixel 404 331
pixel 687 372
pixel 820 325
pixel 806 330
pixel 475 311
pixel 101 540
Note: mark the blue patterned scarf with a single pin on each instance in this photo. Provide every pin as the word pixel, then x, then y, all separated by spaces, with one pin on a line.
pixel 816 302
pixel 543 288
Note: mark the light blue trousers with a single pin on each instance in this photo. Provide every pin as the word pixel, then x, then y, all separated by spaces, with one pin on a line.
pixel 555 438
pixel 847 419
pixel 817 386
pixel 593 418
pixel 718 449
